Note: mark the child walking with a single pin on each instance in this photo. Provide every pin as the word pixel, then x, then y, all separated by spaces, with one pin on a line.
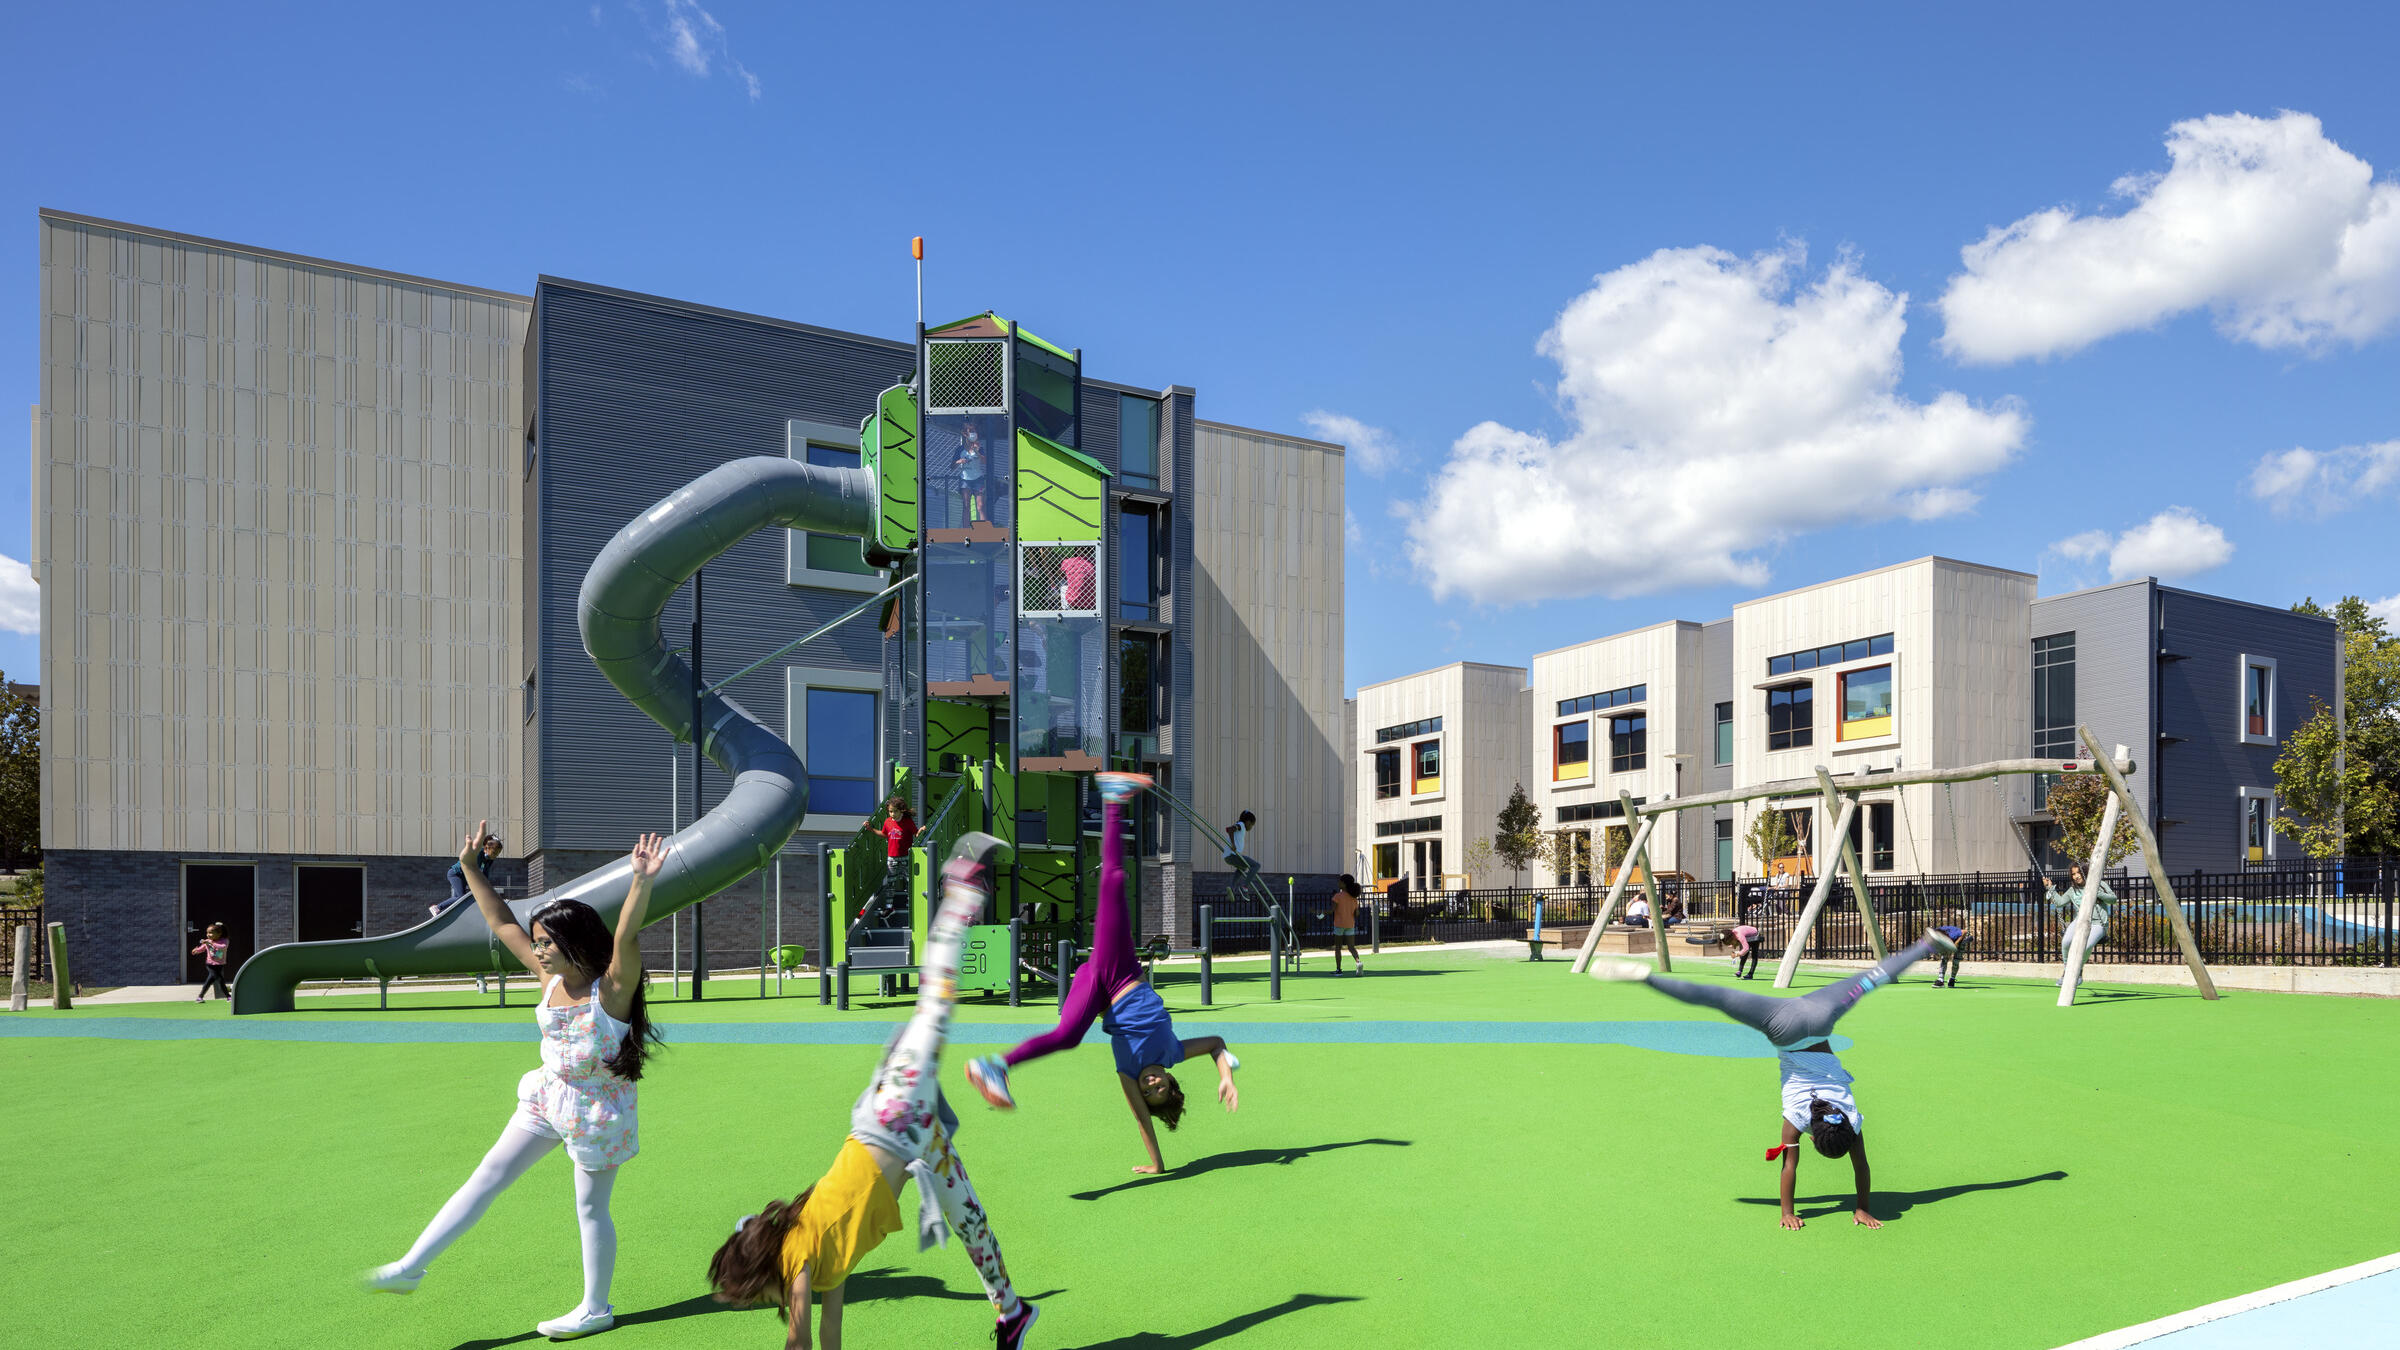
pixel 1346 899
pixel 900 1128
pixel 212 953
pixel 1109 990
pixel 1816 1089
pixel 595 1029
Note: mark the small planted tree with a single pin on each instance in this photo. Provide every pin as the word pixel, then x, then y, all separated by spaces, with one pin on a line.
pixel 1616 839
pixel 1519 840
pixel 2076 803
pixel 1770 837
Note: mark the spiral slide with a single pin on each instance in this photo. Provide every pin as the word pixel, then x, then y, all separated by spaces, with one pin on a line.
pixel 618 612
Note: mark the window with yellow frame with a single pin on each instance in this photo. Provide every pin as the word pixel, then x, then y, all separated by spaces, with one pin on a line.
pixel 1866 703
pixel 1571 751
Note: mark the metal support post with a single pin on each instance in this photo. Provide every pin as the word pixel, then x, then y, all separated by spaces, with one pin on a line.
pixel 1274 961
pixel 1374 928
pixel 1016 963
pixel 1208 972
pixel 841 986
pixel 699 696
pixel 824 928
pixel 62 983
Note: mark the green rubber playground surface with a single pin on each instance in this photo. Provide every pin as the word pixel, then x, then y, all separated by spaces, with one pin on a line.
pixel 1394 1178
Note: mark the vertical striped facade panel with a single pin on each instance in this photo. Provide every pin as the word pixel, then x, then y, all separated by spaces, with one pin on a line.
pixel 637 397
pixel 2203 761
pixel 2113 667
pixel 1178 454
pixel 279 522
pixel 1266 627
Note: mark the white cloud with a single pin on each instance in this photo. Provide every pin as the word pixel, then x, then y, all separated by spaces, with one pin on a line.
pixel 2296 481
pixel 2177 542
pixel 1369 448
pixel 20 598
pixel 2386 609
pixel 2283 234
pixel 579 84
pixel 696 42
pixel 1351 533
pixel 1716 411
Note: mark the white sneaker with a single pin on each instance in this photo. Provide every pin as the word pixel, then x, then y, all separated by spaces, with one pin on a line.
pixel 1618 968
pixel 393 1279
pixel 579 1323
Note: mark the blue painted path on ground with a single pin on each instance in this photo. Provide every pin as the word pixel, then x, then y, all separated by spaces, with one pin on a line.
pixel 1720 1040
pixel 2360 1313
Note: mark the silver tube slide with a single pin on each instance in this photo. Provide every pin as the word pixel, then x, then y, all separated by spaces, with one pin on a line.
pixel 618 611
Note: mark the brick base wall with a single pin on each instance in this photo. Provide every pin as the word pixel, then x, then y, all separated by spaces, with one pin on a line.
pixel 124 909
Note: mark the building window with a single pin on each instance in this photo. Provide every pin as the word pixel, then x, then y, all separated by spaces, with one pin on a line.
pixel 1628 743
pixel 1387 774
pixel 1725 848
pixel 1570 751
pixel 1724 733
pixel 1422 727
pixel 1614 698
pixel 1879 830
pixel 2258 825
pixel 1141 548
pixel 1573 851
pixel 836 723
pixel 2053 707
pixel 1428 768
pixel 1791 717
pixel 1140 683
pixel 2258 700
pixel 1800 820
pixel 1137 441
pixel 1387 861
pixel 1582 811
pixel 830 560
pixel 1832 654
pixel 1393 829
pixel 1866 703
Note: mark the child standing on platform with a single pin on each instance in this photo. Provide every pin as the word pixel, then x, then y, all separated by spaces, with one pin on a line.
pixel 595 1031
pixel 1108 989
pixel 900 1128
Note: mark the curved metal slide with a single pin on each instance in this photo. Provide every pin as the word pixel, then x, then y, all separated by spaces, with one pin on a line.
pixel 623 595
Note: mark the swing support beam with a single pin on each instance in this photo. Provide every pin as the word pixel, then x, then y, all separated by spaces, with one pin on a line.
pixel 2176 920
pixel 1845 790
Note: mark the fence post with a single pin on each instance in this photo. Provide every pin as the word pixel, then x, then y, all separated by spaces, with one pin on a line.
pixel 1274 961
pixel 62 983
pixel 2386 944
pixel 1016 947
pixel 1063 954
pixel 1208 944
pixel 16 980
pixel 1374 928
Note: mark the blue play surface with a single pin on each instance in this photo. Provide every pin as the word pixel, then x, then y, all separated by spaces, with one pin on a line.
pixel 2362 1313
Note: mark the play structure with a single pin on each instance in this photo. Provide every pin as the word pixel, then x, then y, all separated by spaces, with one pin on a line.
pixel 988 524
pixel 1840 798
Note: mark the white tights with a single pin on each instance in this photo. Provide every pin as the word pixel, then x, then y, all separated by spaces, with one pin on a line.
pixel 516 1151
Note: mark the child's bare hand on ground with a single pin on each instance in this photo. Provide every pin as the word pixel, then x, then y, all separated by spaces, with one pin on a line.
pixel 1794 1221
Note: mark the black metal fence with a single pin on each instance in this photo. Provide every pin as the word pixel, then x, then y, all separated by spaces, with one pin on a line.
pixel 2333 912
pixel 13 917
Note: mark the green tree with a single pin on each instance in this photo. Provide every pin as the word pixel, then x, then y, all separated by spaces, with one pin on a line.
pixel 1519 840
pixel 2076 802
pixel 1770 837
pixel 20 778
pixel 2357 810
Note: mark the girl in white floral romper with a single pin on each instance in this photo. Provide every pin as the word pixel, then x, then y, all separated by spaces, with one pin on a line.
pixel 595 1030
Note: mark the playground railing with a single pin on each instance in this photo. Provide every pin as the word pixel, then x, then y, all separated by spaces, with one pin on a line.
pixel 12 917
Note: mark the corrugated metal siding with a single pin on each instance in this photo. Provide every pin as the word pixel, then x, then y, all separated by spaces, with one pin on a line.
pixel 1175 424
pixel 638 396
pixel 2113 663
pixel 1716 686
pixel 2199 700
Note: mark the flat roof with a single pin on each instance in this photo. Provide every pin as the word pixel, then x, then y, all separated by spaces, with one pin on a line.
pixel 1436 670
pixel 1589 642
pixel 1335 446
pixel 715 311
pixel 1879 571
pixel 278 255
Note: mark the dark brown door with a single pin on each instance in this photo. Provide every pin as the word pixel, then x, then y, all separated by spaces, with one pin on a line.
pixel 223 893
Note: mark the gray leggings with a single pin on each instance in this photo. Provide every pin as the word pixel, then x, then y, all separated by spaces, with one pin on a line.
pixel 1789 1022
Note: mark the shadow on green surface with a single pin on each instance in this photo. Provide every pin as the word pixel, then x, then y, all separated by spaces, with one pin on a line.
pixel 695 1306
pixel 1892 1204
pixel 890 1282
pixel 1231 1327
pixel 1248 1157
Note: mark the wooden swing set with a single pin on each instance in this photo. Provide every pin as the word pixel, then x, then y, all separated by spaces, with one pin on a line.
pixel 1840 799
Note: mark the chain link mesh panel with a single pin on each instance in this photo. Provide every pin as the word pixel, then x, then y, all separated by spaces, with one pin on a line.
pixel 966 376
pixel 1059 581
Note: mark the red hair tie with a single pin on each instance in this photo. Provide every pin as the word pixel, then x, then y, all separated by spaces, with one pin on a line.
pixel 1778 1151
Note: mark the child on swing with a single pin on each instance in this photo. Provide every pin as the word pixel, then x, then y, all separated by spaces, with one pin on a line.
pixel 1816 1089
pixel 1108 989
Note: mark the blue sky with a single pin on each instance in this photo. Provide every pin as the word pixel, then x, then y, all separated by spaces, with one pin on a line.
pixel 1379 215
